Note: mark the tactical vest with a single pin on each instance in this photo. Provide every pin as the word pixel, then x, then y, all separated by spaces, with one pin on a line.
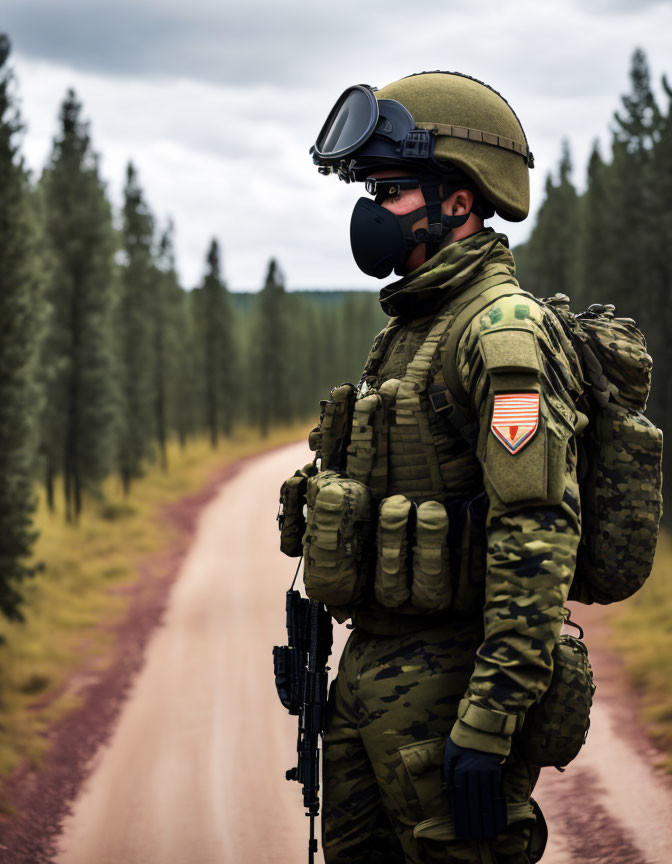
pixel 400 539
pixel 396 516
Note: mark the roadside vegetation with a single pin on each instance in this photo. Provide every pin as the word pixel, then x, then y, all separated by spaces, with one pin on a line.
pixel 642 635
pixel 71 605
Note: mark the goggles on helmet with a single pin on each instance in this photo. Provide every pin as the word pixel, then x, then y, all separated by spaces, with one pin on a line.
pixel 362 133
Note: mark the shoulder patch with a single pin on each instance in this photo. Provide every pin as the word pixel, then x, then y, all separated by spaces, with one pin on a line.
pixel 510 349
pixel 515 419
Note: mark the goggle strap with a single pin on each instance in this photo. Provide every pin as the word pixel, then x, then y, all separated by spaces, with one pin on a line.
pixel 468 134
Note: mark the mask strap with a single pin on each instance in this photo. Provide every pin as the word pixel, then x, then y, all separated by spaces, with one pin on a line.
pixel 440 224
pixel 436 231
pixel 406 221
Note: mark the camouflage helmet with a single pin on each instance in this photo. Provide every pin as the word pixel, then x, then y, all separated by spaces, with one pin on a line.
pixel 476 131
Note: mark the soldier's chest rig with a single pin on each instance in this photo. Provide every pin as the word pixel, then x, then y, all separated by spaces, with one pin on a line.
pixel 400 440
pixel 396 516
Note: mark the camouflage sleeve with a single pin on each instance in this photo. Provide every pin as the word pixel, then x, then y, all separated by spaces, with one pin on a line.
pixel 533 525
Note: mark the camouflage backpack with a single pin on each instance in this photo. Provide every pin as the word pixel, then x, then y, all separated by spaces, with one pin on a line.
pixel 620 451
pixel 620 455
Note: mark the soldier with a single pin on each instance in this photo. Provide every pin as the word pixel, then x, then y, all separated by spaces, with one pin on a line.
pixel 462 458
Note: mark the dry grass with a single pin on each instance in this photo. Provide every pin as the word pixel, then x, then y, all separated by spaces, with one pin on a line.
pixel 642 634
pixel 78 591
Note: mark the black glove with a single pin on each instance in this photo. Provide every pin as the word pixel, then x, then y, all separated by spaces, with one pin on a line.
pixel 473 780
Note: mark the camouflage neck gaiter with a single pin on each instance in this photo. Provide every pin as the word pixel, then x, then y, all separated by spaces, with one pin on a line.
pixel 428 287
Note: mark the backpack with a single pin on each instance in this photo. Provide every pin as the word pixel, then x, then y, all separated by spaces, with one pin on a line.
pixel 620 451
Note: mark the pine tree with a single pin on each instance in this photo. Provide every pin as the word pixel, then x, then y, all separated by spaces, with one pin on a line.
pixel 19 340
pixel 271 346
pixel 661 265
pixel 136 338
pixel 598 229
pixel 81 396
pixel 636 131
pixel 215 327
pixel 638 126
pixel 163 362
pixel 184 414
pixel 550 262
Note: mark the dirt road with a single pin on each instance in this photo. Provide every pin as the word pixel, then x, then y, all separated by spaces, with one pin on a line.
pixel 194 773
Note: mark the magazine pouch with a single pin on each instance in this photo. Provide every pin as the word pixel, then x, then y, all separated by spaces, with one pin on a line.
pixel 337 543
pixel 431 587
pixel 392 576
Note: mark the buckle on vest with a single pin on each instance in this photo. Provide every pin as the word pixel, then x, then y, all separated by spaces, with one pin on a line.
pixel 452 415
pixel 440 401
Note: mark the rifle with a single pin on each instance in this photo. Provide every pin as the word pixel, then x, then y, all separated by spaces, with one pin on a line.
pixel 301 673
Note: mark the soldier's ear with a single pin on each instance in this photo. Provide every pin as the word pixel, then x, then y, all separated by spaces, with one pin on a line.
pixel 459 203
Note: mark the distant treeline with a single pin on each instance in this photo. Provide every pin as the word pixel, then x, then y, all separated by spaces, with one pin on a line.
pixel 104 356
pixel 613 243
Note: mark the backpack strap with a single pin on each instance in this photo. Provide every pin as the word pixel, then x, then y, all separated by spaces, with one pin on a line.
pixel 378 350
pixel 481 296
pixel 446 394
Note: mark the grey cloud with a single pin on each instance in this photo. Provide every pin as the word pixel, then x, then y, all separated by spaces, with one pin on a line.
pixel 288 43
pixel 241 43
pixel 217 101
pixel 627 7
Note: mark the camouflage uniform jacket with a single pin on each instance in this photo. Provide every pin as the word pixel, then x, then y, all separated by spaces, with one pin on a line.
pixel 513 346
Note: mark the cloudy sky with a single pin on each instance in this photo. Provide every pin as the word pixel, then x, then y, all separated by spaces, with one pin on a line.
pixel 217 102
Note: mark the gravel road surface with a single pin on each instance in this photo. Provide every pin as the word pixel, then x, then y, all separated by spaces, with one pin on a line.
pixel 194 772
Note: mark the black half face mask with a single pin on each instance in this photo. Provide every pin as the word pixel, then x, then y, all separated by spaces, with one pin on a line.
pixel 381 241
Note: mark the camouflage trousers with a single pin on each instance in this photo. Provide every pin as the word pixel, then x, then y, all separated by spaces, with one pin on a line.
pixel 391 706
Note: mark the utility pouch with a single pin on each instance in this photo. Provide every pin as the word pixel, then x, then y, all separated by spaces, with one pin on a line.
pixel 621 501
pixel 392 577
pixel 368 450
pixel 431 587
pixel 334 430
pixel 291 518
pixel 315 439
pixel 337 543
pixel 555 728
pixel 362 449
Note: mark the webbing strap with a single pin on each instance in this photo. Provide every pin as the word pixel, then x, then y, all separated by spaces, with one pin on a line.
pixel 379 349
pixel 417 371
pixel 469 134
pixel 493 291
pixel 408 405
pixel 485 720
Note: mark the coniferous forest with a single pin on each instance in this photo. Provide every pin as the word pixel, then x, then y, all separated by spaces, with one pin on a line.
pixel 105 357
pixel 613 242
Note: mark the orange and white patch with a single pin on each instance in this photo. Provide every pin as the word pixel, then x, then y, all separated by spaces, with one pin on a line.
pixel 515 419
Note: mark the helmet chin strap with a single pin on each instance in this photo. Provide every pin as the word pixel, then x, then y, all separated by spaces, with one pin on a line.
pixel 439 224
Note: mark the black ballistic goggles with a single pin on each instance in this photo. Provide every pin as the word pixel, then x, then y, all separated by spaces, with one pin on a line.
pixel 362 133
